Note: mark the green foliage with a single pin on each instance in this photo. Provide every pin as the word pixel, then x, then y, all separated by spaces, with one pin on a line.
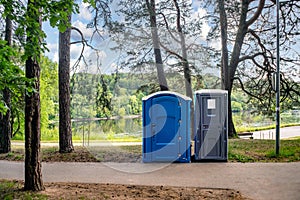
pixel 49 101
pixel 104 95
pixel 238 101
pixel 48 93
pixel 83 95
pixel 135 105
pixel 13 9
pixel 104 98
pixel 11 76
pixel 56 12
pixel 116 130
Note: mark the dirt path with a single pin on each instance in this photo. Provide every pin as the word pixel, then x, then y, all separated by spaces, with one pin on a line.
pixel 254 180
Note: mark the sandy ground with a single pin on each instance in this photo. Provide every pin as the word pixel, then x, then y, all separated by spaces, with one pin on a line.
pixel 112 191
pixel 121 192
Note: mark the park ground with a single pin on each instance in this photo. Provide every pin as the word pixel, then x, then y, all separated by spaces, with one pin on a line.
pixel 239 151
pixel 13 190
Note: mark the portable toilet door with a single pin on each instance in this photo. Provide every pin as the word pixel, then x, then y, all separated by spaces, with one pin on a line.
pixel 211 125
pixel 166 127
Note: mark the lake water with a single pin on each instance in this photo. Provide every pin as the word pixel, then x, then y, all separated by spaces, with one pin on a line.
pixel 117 129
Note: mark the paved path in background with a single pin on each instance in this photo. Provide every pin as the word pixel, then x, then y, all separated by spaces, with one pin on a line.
pixel 286 132
pixel 254 180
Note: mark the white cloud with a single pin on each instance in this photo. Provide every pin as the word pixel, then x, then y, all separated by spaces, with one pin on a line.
pixel 216 44
pixel 195 3
pixel 52 47
pixel 55 57
pixel 84 12
pixel 87 32
pixel 75 50
pixel 92 58
pixel 205 28
pixel 53 51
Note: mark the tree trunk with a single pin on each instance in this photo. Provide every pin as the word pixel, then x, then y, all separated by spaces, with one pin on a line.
pixel 224 62
pixel 229 69
pixel 65 128
pixel 234 61
pixel 5 126
pixel 184 59
pixel 155 40
pixel 33 173
pixel 231 127
pixel 186 67
pixel 226 76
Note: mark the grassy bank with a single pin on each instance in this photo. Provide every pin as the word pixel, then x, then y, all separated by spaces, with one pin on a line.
pixel 52 136
pixel 263 150
pixel 240 150
pixel 14 190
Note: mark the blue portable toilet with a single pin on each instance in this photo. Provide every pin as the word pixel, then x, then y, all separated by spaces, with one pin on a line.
pixel 211 125
pixel 166 127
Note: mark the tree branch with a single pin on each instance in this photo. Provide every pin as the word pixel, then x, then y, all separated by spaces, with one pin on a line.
pixel 167 26
pixel 247 92
pixel 257 13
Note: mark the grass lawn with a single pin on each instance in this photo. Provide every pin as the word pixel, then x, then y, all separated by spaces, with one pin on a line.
pixel 14 190
pixel 241 150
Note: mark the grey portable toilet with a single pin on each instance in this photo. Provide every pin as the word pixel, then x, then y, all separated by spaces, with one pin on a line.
pixel 211 125
pixel 166 127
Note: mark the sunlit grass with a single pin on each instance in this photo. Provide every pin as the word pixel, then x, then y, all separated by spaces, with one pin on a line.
pixel 14 190
pixel 241 150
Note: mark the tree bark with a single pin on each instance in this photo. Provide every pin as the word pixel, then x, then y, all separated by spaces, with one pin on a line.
pixel 234 61
pixel 225 67
pixel 65 128
pixel 224 62
pixel 186 68
pixel 33 173
pixel 229 68
pixel 5 126
pixel 155 40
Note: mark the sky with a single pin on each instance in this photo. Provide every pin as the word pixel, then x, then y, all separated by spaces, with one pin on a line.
pixel 79 21
pixel 109 60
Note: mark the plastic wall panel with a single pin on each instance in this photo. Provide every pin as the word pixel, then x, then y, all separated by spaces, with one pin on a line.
pixel 166 127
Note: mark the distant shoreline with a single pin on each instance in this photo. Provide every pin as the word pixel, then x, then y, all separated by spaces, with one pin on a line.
pixel 102 118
